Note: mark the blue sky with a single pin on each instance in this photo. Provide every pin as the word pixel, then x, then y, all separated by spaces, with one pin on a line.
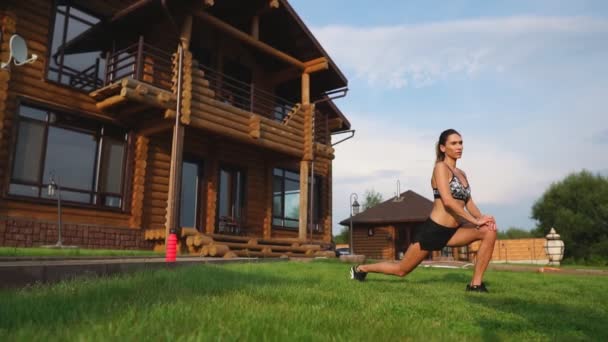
pixel 525 82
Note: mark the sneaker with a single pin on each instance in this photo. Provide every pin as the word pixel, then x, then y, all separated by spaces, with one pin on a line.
pixel 358 275
pixel 477 288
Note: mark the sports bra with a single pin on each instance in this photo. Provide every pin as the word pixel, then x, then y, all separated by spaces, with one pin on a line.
pixel 459 191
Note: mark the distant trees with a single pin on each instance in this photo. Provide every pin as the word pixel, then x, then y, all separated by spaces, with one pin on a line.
pixel 371 198
pixel 517 233
pixel 578 209
pixel 343 236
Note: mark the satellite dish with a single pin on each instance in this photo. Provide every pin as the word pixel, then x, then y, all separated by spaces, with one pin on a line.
pixel 18 52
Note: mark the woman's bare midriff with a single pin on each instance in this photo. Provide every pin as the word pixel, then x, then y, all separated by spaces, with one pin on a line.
pixel 441 216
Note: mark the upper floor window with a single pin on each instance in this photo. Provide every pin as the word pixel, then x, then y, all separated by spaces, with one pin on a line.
pixel 78 70
pixel 86 158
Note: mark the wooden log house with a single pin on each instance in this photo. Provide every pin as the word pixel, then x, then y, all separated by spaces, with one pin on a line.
pixel 204 116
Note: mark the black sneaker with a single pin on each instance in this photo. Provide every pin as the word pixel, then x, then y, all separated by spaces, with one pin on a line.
pixel 358 275
pixel 477 288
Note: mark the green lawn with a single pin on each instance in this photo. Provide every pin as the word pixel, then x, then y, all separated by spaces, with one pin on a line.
pixel 308 301
pixel 71 252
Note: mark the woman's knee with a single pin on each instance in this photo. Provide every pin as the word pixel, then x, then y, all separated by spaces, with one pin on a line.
pixel 490 234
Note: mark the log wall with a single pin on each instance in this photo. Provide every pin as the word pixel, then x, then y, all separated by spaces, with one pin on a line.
pixel 32 20
pixel 379 246
pixel 220 134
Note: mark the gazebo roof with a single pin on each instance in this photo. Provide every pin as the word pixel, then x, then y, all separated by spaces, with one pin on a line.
pixel 408 207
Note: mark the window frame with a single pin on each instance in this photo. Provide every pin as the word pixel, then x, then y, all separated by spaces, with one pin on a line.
pixel 231 168
pixel 201 199
pixel 97 197
pixel 49 53
pixel 318 211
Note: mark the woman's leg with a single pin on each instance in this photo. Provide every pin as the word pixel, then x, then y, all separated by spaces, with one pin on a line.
pixel 465 235
pixel 413 257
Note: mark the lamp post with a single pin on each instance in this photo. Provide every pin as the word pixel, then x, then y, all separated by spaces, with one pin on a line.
pixel 54 188
pixel 354 210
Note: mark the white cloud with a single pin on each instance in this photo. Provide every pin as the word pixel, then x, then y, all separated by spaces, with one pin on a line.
pixel 422 54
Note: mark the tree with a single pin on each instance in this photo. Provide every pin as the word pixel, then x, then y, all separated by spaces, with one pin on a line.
pixel 343 236
pixel 578 209
pixel 517 233
pixel 371 198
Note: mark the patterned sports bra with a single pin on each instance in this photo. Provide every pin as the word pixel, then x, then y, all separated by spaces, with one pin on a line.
pixel 459 191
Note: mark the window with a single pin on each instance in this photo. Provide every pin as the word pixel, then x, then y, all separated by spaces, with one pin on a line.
pixel 85 158
pixel 78 70
pixel 190 194
pixel 231 194
pixel 286 199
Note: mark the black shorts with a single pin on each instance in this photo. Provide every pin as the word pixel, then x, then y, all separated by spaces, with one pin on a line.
pixel 433 236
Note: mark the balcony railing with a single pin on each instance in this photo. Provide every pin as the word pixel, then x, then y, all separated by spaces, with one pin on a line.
pixel 142 62
pixel 247 96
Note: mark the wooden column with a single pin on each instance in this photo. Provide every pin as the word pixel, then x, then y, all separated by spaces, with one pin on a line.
pixel 304 163
pixel 255 27
pixel 139 181
pixel 177 145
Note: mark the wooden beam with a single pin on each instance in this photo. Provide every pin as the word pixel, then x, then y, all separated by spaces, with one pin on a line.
pixel 316 61
pixel 305 89
pixel 316 67
pixel 255 27
pixel 244 37
pixel 155 127
pixel 186 32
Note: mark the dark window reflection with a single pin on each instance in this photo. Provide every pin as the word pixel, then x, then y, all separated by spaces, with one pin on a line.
pixel 67 148
pixel 189 195
pixel 79 70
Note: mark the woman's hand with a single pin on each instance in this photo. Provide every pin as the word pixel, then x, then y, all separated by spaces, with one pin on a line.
pixel 486 220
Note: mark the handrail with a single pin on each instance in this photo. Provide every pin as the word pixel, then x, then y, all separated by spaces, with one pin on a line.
pixel 141 61
pixel 246 95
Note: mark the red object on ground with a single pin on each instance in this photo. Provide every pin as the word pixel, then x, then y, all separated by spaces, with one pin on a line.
pixel 171 250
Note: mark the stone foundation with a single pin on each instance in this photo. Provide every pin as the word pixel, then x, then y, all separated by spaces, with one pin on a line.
pixel 18 232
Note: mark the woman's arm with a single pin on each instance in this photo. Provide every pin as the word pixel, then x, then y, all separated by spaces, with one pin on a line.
pixel 442 178
pixel 472 208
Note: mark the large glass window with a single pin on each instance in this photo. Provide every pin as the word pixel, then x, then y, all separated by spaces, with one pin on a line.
pixel 79 70
pixel 286 199
pixel 85 158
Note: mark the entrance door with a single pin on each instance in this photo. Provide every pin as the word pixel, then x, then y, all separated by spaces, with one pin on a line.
pixel 402 239
pixel 191 199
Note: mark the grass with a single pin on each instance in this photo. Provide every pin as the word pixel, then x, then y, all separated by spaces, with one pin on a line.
pixel 307 301
pixel 71 252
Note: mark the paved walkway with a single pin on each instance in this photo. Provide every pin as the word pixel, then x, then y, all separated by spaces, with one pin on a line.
pixel 517 268
pixel 23 271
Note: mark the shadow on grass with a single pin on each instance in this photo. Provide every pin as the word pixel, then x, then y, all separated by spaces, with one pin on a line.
pixel 452 277
pixel 549 320
pixel 46 307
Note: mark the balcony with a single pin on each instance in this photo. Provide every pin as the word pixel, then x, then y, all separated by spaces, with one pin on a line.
pixel 136 78
pixel 141 77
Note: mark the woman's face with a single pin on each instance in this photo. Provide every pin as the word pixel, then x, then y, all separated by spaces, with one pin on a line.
pixel 453 146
